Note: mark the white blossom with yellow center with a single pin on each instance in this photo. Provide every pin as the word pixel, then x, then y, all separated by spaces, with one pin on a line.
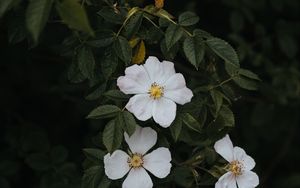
pixel 239 172
pixel 157 88
pixel 119 163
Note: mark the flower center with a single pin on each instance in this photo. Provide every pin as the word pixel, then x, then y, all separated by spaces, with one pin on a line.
pixel 135 161
pixel 156 91
pixel 236 167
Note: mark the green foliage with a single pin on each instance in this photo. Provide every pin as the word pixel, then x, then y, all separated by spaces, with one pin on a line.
pixel 188 19
pixel 112 135
pixel 105 111
pixel 194 50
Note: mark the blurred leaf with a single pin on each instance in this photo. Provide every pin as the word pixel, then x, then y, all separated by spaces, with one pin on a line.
pixel 95 178
pixel 59 154
pixel 86 62
pixel 171 53
pixel 173 35
pixel 194 50
pixel 109 63
pixel 245 83
pixel 227 115
pixel 288 45
pixel 109 14
pixel 140 53
pixel 105 111
pixel 94 155
pixel 5 5
pixel 35 141
pixel 38 161
pixel 74 15
pixel 217 97
pixel 4 183
pixel 127 122
pixel 175 128
pixel 224 50
pixel 116 95
pixel 37 16
pixel 188 18
pixel 236 21
pixel 96 93
pixel 112 136
pixel 248 74
pixel 8 168
pixel 123 49
pixel 191 122
pixel 74 73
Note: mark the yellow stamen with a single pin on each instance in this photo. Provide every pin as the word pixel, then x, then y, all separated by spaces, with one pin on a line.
pixel 236 168
pixel 159 4
pixel 156 91
pixel 135 161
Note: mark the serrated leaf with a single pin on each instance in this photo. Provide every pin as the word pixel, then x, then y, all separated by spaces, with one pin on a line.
pixel 171 53
pixel 176 128
pixel 140 53
pixel 245 83
pixel 37 14
pixel 94 177
pixel 188 19
pixel 173 35
pixel 109 63
pixel 227 115
pixel 123 49
pixel 103 39
pixel 94 155
pixel 127 122
pixel 191 122
pixel 217 98
pixel 105 111
pixel 224 51
pixel 74 15
pixel 248 74
pixel 133 25
pixel 86 62
pixel 96 93
pixel 112 136
pixel 193 48
pixel 74 74
pixel 116 95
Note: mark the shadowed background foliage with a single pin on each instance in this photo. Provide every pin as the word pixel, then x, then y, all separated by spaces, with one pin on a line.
pixel 42 111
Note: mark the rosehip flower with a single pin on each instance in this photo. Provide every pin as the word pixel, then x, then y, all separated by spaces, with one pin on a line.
pixel 157 87
pixel 239 167
pixel 119 163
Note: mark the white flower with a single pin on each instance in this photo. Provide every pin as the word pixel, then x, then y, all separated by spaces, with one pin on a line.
pixel 157 87
pixel 119 163
pixel 239 167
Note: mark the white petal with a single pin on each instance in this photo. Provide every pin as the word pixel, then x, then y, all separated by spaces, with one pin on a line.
pixel 116 165
pixel 224 147
pixel 141 140
pixel 138 178
pixel 164 111
pixel 227 181
pixel 180 96
pixel 158 162
pixel 141 106
pixel 240 155
pixel 248 179
pixel 139 74
pixel 130 86
pixel 176 81
pixel 154 69
pixel 168 70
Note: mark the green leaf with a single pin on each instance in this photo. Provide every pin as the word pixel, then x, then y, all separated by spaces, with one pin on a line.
pixel 173 35
pixel 227 115
pixel 224 50
pixel 193 48
pixel 288 45
pixel 103 39
pixel 86 62
pixel 116 95
pixel 245 83
pixel 112 136
pixel 96 93
pixel 74 15
pixel 109 63
pixel 171 53
pixel 217 97
pixel 94 155
pixel 133 25
pixel 248 74
pixel 95 178
pixel 188 18
pixel 191 122
pixel 59 154
pixel 123 49
pixel 127 122
pixel 38 161
pixel 74 74
pixel 105 111
pixel 37 16
pixel 109 15
pixel 175 128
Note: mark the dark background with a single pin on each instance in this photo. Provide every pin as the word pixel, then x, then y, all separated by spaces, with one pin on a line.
pixel 41 111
